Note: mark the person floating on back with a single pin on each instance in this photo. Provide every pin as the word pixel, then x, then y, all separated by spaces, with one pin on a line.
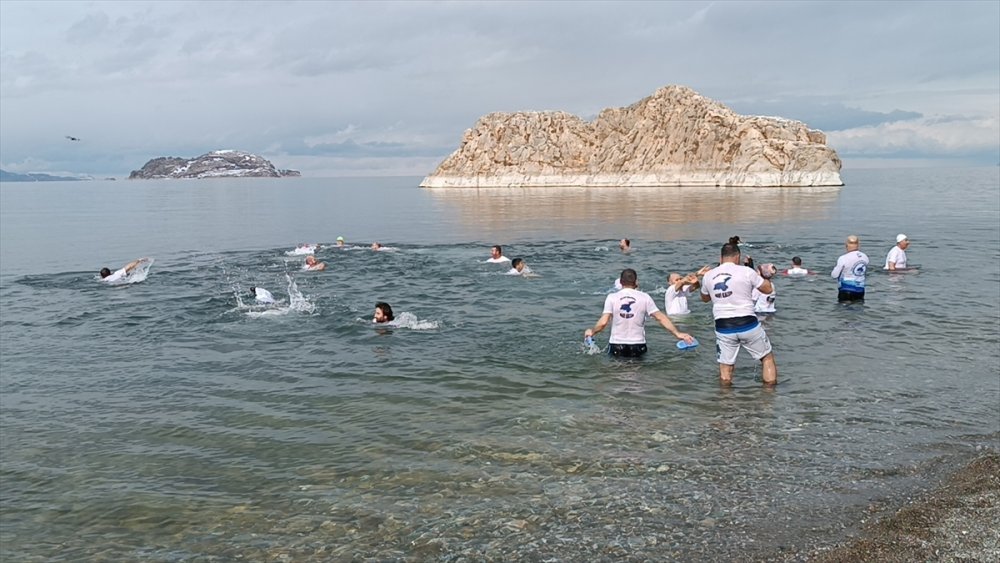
pixel 729 288
pixel 850 272
pixel 627 310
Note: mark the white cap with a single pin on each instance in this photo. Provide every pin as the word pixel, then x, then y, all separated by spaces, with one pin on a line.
pixel 900 237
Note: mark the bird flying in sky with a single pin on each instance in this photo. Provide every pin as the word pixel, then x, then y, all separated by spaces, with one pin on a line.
pixel 72 138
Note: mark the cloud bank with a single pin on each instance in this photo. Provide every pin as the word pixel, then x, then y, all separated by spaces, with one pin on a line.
pixel 387 88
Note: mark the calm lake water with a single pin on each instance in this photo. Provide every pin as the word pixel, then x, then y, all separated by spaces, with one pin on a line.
pixel 168 421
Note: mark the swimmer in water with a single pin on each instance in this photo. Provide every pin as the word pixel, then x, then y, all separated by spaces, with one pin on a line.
pixel 120 274
pixel 496 255
pixel 313 265
pixel 383 313
pixel 262 295
pixel 797 269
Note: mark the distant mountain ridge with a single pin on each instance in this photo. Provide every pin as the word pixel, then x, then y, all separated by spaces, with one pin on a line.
pixel 215 164
pixel 34 177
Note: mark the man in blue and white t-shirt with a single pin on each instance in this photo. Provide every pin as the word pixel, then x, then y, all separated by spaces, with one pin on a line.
pixel 729 287
pixel 850 272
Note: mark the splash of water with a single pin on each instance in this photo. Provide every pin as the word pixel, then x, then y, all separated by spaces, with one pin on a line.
pixel 138 274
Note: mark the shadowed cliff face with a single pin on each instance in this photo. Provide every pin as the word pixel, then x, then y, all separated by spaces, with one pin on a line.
pixel 216 164
pixel 673 138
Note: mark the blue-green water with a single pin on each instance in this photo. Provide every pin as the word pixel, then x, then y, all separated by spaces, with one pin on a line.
pixel 163 421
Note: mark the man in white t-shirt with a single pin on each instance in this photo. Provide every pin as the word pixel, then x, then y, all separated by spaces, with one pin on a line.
pixel 796 269
pixel 518 267
pixel 262 295
pixel 496 255
pixel 679 289
pixel 107 276
pixel 729 288
pixel 896 259
pixel 627 310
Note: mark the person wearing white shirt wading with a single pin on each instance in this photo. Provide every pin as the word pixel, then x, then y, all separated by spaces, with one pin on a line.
pixel 729 287
pixel 896 259
pixel 679 289
pixel 850 272
pixel 627 310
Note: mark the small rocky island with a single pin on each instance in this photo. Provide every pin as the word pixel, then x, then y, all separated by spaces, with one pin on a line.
pixel 216 164
pixel 675 137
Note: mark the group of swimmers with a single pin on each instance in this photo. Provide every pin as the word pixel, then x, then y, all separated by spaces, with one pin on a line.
pixel 738 293
pixel 737 290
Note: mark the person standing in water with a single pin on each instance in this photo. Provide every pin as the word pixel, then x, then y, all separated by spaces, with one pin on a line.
pixel 850 272
pixel 729 288
pixel 627 310
pixel 896 259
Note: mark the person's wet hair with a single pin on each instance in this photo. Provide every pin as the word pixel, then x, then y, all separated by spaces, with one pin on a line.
pixel 386 310
pixel 628 277
pixel 253 291
pixel 730 249
pixel 515 262
pixel 796 260
pixel 735 240
pixel 105 272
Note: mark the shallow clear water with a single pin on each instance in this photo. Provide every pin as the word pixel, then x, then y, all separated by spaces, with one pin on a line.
pixel 167 420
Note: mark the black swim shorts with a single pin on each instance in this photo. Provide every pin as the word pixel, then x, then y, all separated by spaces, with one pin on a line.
pixel 626 350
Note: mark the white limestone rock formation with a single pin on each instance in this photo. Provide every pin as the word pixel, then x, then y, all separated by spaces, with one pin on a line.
pixel 216 164
pixel 675 137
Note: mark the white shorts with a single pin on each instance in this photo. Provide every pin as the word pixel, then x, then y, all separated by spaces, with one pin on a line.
pixel 727 346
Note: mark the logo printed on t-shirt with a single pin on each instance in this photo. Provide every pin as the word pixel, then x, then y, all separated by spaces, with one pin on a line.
pixel 625 310
pixel 723 287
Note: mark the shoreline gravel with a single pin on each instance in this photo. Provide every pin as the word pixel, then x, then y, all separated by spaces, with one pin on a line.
pixel 957 521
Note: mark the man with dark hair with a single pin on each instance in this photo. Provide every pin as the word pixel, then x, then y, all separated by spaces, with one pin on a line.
pixel 796 269
pixel 121 273
pixel 625 245
pixel 383 313
pixel 627 310
pixel 729 287
pixel 496 255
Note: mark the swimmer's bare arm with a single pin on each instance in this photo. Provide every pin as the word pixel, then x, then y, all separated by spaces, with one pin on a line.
pixel 133 264
pixel 664 321
pixel 601 323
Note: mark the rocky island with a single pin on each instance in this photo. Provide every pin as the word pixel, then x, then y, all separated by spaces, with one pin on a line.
pixel 216 164
pixel 674 137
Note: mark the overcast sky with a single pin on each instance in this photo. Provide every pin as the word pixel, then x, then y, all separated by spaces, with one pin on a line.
pixel 387 88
